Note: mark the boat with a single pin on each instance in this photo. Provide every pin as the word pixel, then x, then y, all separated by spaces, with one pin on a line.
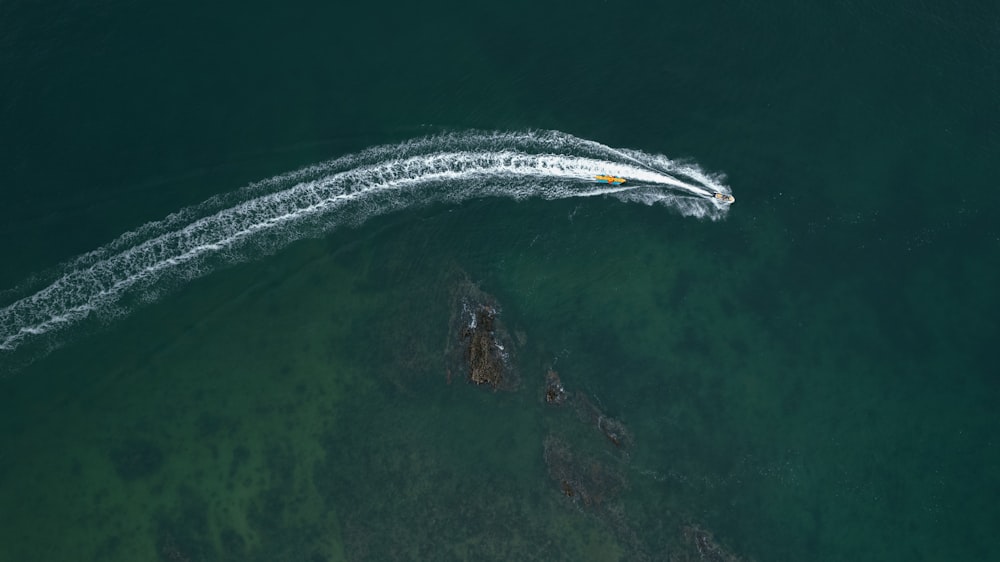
pixel 725 197
pixel 610 179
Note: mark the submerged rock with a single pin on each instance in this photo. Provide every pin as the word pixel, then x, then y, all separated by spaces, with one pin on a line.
pixel 136 458
pixel 702 544
pixel 483 352
pixel 594 486
pixel 478 343
pixel 555 392
pixel 587 481
pixel 613 429
pixel 616 432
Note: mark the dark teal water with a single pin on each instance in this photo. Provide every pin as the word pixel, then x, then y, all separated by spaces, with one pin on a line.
pixel 811 378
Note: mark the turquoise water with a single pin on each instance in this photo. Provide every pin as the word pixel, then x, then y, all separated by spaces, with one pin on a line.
pixel 807 374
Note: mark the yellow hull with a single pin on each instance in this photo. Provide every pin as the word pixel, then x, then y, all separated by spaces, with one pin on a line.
pixel 610 179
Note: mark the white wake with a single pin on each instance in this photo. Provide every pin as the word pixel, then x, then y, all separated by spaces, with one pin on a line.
pixel 268 215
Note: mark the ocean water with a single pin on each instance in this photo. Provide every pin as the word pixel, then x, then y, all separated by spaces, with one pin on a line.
pixel 238 239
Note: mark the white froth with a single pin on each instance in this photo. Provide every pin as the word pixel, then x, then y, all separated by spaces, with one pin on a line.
pixel 349 190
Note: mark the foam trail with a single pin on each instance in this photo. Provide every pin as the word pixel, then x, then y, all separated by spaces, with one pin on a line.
pixel 263 217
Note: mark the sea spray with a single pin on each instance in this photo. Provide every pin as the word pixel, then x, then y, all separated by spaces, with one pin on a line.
pixel 261 218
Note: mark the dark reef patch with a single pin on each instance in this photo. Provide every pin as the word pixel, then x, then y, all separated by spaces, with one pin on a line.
pixel 136 458
pixel 478 342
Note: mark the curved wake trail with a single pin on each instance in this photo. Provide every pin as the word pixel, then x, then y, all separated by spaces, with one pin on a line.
pixel 268 215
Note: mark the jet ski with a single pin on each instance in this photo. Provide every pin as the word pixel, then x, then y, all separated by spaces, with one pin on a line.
pixel 724 197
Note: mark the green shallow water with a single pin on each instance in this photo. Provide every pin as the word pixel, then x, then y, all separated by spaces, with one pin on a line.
pixel 810 378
